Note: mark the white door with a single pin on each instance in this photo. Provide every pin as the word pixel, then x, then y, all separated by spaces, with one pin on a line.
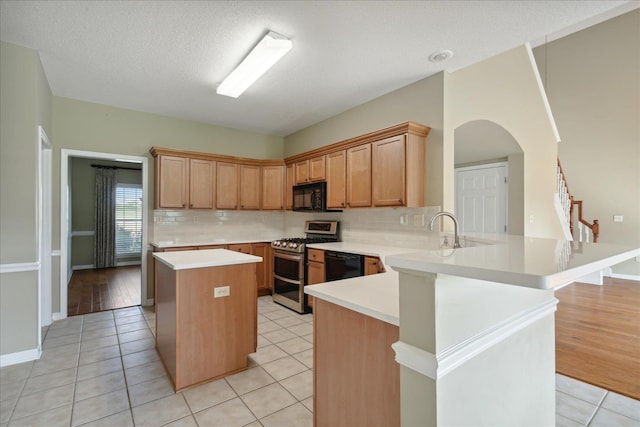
pixel 481 198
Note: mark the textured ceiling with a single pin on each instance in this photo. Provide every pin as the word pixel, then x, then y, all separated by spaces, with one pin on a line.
pixel 167 57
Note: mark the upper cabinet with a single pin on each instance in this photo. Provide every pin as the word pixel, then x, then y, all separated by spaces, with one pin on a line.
pixel 172 182
pixel 227 186
pixel 289 182
pixel 184 183
pixel 202 175
pixel 336 164
pixel 359 176
pixel 310 170
pixel 250 187
pixel 381 168
pixel 273 187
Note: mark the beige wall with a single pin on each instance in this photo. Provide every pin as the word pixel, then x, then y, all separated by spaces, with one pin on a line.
pixel 420 102
pixel 592 79
pixel 93 127
pixel 25 100
pixel 504 89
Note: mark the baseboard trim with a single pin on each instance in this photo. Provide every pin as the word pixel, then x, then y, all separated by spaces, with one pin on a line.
pixel 82 267
pixel 625 276
pixel 20 357
pixel 57 316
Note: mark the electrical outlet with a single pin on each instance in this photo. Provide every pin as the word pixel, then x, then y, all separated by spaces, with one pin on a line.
pixel 222 291
pixel 530 219
pixel 403 219
pixel 618 218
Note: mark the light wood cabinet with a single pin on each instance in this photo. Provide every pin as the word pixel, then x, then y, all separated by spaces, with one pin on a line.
pixel 249 187
pixel 310 170
pixel 263 269
pixel 245 248
pixel 336 165
pixel 372 265
pixel 227 186
pixel 200 337
pixel 398 171
pixel 201 183
pixel 359 176
pixel 178 249
pixel 315 270
pixel 184 183
pixel 273 187
pixel 364 366
pixel 172 182
pixel 289 183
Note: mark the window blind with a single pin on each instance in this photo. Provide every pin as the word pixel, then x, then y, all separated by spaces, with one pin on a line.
pixel 128 220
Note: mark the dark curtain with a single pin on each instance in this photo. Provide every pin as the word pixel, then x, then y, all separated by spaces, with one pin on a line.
pixel 105 218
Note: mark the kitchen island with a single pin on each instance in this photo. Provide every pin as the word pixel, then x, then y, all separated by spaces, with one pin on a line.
pixel 475 328
pixel 206 313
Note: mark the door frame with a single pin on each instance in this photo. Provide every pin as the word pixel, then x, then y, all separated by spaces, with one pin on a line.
pixel 492 165
pixel 65 209
pixel 44 234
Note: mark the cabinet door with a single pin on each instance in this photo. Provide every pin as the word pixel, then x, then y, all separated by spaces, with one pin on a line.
pixel 249 187
pixel 372 265
pixel 227 186
pixel 201 179
pixel 302 172
pixel 245 248
pixel 317 169
pixel 290 182
pixel 336 180
pixel 262 270
pixel 172 183
pixel 273 187
pixel 315 274
pixel 359 176
pixel 389 172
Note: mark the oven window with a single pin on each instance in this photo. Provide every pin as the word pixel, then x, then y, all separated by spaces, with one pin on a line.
pixel 286 289
pixel 287 268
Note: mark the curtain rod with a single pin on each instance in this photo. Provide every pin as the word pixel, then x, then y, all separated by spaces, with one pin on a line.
pixel 114 167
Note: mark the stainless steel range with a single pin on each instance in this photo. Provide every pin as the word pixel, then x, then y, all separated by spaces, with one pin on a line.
pixel 289 263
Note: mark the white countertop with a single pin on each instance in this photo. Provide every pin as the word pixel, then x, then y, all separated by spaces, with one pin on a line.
pixel 514 260
pixel 183 260
pixel 521 261
pixel 181 242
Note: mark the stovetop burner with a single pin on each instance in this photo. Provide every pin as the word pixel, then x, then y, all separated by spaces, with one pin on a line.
pixel 317 232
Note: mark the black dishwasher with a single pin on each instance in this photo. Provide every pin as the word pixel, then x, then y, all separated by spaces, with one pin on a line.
pixel 341 265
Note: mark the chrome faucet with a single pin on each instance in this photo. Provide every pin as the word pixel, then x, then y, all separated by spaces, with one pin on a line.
pixel 456 238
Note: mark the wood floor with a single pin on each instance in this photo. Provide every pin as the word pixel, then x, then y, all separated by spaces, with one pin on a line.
pixel 91 291
pixel 598 334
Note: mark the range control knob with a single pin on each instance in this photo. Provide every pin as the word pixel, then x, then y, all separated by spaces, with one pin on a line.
pixel 293 245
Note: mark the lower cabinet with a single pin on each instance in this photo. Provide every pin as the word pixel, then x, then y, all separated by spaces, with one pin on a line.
pixel 372 265
pixel 263 269
pixel 359 385
pixel 315 270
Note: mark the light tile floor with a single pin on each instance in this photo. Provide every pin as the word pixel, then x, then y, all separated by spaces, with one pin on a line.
pixel 102 369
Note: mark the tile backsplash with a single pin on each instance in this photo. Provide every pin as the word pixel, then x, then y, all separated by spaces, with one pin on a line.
pixel 385 226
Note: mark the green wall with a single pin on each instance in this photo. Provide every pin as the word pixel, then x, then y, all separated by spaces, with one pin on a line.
pixel 25 103
pixel 86 126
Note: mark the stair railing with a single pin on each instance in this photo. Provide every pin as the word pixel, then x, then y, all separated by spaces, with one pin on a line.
pixel 587 231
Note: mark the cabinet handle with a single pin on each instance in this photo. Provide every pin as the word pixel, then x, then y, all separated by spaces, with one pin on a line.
pixel 342 203
pixel 183 205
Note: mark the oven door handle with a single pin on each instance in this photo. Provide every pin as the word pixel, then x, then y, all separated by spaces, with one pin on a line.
pixel 293 282
pixel 297 257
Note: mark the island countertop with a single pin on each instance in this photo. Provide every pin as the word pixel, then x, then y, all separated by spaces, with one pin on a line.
pixel 513 260
pixel 184 260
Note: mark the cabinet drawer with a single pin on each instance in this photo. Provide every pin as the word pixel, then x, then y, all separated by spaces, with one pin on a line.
pixel 316 255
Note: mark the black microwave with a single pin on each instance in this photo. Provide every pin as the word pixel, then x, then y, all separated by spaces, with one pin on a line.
pixel 310 197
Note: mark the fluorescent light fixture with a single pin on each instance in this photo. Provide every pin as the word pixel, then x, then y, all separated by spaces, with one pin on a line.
pixel 267 52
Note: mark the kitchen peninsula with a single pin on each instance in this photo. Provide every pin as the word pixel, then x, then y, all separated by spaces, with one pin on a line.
pixel 206 313
pixel 472 332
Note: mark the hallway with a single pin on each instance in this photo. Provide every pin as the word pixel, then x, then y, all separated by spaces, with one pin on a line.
pixel 91 291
